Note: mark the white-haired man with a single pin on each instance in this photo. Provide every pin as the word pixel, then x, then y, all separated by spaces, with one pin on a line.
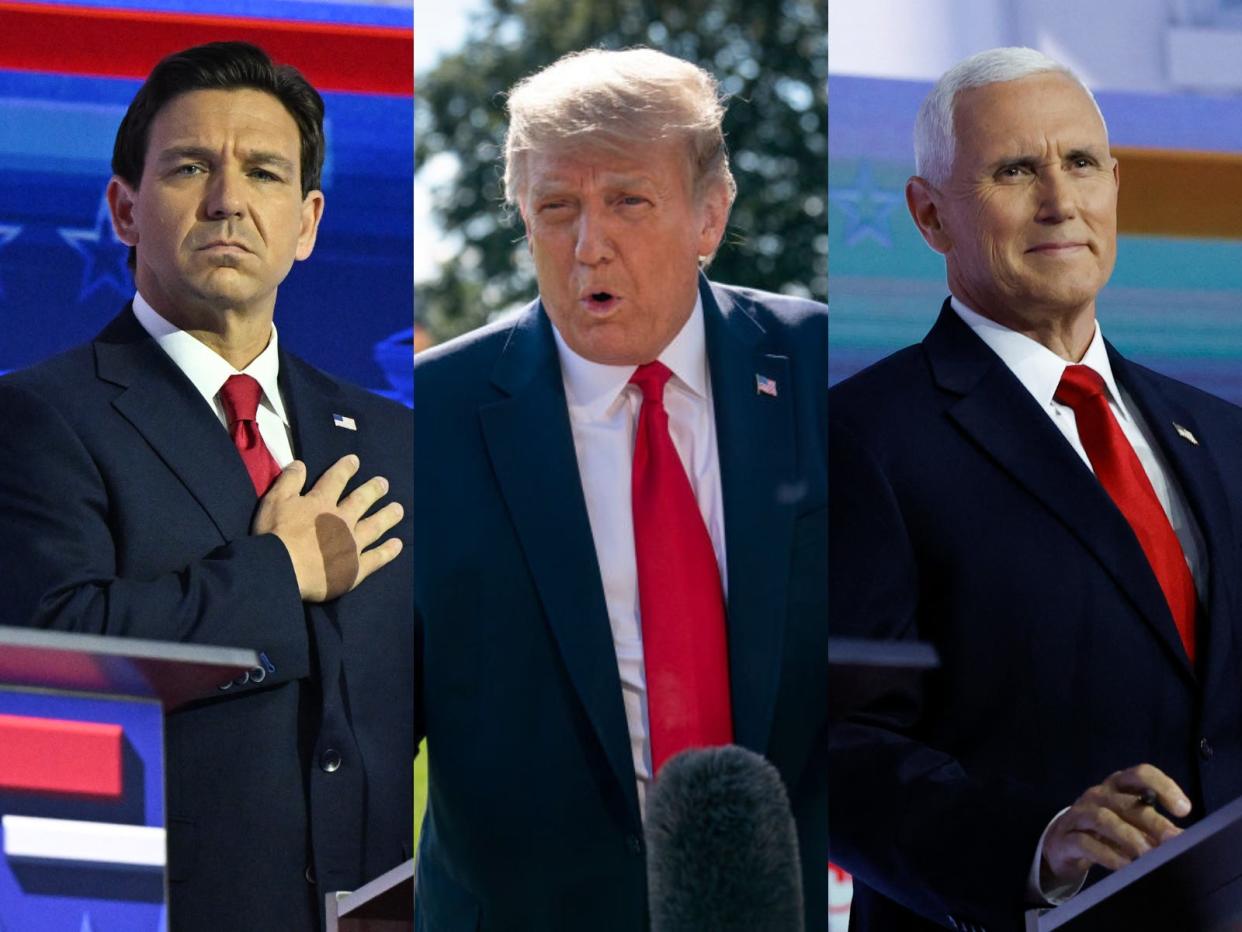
pixel 620 523
pixel 1060 522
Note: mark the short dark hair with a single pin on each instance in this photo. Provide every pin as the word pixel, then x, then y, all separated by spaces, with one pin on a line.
pixel 220 66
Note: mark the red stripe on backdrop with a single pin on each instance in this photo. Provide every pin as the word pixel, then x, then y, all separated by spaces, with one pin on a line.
pixel 127 44
pixel 48 755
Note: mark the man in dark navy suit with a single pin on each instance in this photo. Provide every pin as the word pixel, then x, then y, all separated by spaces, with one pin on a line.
pixel 1059 522
pixel 620 523
pixel 184 478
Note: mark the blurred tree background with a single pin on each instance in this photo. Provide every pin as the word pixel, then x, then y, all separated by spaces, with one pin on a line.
pixel 771 58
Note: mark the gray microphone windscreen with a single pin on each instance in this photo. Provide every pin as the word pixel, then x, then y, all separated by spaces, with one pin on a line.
pixel 722 850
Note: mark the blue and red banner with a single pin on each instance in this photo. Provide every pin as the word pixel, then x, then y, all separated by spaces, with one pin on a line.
pixel 67 73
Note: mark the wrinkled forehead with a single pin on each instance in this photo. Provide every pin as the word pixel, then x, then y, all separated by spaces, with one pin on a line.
pixel 203 112
pixel 1027 117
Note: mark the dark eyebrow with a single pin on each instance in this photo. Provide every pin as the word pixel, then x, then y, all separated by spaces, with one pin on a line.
pixel 202 153
pixel 274 159
pixel 177 153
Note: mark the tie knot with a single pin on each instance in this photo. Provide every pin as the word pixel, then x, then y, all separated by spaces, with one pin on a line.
pixel 651 377
pixel 240 397
pixel 1078 383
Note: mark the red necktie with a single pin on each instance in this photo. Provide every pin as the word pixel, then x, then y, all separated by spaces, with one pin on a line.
pixel 1118 468
pixel 240 397
pixel 685 652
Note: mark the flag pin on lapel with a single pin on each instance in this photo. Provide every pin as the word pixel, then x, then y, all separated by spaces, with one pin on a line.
pixel 340 420
pixel 764 385
pixel 1185 434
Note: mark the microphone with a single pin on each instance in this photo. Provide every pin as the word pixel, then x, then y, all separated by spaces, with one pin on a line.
pixel 722 850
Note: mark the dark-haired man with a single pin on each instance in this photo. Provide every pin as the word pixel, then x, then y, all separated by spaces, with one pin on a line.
pixel 184 478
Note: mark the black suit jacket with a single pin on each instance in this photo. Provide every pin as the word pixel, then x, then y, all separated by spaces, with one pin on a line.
pixel 125 510
pixel 961 516
pixel 533 820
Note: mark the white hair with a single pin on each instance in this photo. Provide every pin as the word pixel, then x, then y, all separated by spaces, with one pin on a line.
pixel 934 132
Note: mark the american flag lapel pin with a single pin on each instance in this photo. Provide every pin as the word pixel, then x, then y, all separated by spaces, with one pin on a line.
pixel 1185 434
pixel 348 423
pixel 765 386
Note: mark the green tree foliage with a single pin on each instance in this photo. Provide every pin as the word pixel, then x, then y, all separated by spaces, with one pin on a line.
pixel 771 57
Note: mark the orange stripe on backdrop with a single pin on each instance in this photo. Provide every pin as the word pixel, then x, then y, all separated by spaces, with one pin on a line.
pixel 1167 192
pixel 127 43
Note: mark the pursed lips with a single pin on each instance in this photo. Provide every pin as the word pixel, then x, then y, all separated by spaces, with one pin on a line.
pixel 224 245
pixel 1057 247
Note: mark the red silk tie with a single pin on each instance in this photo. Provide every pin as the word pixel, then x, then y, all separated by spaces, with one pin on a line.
pixel 240 397
pixel 1118 468
pixel 685 652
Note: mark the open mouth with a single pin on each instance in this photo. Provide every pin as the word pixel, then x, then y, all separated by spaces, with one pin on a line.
pixel 600 302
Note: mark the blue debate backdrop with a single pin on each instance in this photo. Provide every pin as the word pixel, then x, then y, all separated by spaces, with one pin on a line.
pixel 1174 304
pixel 348 309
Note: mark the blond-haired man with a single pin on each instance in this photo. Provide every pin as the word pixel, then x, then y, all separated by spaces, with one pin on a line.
pixel 620 522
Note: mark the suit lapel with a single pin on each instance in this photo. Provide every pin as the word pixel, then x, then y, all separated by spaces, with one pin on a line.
pixel 999 415
pixel 755 438
pixel 312 402
pixel 1196 472
pixel 531 447
pixel 165 408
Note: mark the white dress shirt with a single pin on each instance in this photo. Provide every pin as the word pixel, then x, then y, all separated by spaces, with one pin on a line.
pixel 1039 370
pixel 603 415
pixel 208 370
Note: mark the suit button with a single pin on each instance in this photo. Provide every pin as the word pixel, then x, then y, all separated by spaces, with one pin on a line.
pixel 634 844
pixel 330 761
pixel 309 874
pixel 1205 749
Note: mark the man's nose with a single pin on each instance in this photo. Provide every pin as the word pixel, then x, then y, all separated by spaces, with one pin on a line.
pixel 593 244
pixel 1056 193
pixel 225 195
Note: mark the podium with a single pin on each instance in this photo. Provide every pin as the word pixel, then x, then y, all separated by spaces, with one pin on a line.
pixel 1192 883
pixel 82 772
pixel 386 904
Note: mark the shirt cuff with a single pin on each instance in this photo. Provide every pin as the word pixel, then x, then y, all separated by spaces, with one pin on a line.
pixel 1053 896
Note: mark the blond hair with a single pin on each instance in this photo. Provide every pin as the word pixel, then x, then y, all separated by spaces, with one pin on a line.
pixel 618 101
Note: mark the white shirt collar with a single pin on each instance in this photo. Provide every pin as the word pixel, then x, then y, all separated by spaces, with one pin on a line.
pixel 1038 368
pixel 592 388
pixel 207 369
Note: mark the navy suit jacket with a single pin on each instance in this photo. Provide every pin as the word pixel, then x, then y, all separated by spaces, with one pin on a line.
pixel 533 819
pixel 125 510
pixel 963 517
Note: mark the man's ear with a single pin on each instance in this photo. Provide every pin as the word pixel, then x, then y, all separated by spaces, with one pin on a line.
pixel 121 201
pixel 312 213
pixel 713 218
pixel 923 200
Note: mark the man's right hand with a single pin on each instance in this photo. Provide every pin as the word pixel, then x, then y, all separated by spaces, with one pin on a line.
pixel 1111 824
pixel 327 536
